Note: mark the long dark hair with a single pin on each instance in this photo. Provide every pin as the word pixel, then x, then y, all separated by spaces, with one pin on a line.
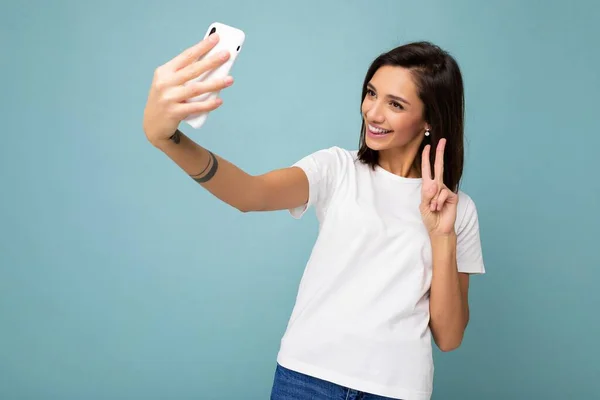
pixel 440 87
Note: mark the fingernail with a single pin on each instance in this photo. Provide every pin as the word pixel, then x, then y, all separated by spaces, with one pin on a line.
pixel 228 80
pixel 224 54
pixel 213 38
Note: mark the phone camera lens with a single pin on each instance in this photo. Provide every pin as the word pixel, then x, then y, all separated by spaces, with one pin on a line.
pixel 213 30
pixel 238 49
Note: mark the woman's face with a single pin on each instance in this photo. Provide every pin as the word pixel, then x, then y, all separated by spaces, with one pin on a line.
pixel 392 110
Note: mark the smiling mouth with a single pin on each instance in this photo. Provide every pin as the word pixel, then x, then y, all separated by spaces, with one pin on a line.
pixel 377 131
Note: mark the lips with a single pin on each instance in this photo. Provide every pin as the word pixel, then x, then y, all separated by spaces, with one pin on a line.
pixel 377 131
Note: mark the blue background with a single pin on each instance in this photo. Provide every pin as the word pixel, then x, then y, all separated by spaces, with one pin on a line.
pixel 120 278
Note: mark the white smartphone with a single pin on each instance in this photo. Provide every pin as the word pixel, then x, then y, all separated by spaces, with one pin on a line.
pixel 231 39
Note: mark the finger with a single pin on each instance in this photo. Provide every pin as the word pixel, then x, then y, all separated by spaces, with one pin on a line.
pixel 197 68
pixel 185 92
pixel 429 192
pixel 439 160
pixel 443 196
pixel 191 54
pixel 187 109
pixel 426 164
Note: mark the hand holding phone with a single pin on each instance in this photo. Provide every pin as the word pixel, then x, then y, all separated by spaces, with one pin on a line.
pixel 230 40
pixel 187 86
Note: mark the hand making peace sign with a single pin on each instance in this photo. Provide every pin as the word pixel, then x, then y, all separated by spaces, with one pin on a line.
pixel 438 202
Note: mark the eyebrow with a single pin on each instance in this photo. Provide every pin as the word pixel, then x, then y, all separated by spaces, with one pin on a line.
pixel 391 96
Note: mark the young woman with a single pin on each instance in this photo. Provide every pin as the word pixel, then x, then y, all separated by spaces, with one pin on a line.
pixel 397 239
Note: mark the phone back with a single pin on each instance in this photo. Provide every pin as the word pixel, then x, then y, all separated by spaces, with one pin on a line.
pixel 231 39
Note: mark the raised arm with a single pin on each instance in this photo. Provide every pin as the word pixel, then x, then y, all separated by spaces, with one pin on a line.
pixel 166 107
pixel 276 190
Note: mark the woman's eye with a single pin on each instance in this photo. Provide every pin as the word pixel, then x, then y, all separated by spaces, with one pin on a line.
pixel 396 105
pixel 370 92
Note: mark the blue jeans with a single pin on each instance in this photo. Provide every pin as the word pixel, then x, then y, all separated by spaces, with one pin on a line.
pixel 291 385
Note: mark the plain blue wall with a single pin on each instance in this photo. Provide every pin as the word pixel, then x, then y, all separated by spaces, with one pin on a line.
pixel 122 279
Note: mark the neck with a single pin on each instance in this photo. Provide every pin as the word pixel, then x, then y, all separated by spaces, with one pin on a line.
pixel 400 161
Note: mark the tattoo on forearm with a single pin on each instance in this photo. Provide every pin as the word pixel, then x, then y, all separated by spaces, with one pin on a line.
pixel 176 137
pixel 213 164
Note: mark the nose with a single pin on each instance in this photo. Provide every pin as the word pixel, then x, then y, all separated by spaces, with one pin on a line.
pixel 374 113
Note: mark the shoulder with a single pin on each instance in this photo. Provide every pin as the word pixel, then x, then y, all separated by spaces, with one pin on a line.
pixel 331 158
pixel 337 152
pixel 324 169
pixel 466 214
pixel 464 199
pixel 469 250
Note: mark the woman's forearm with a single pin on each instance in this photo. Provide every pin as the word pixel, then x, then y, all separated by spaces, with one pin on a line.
pixel 223 179
pixel 449 311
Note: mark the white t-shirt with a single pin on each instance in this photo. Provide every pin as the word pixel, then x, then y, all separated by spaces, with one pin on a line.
pixel 361 317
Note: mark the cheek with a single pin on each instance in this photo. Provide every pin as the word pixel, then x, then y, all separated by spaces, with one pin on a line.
pixel 398 122
pixel 404 123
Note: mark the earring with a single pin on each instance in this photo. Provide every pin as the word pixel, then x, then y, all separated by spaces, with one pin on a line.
pixel 427 132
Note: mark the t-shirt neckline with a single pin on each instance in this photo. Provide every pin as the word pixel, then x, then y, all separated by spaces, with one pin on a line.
pixel 384 172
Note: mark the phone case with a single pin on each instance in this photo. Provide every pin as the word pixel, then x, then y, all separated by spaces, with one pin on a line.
pixel 231 39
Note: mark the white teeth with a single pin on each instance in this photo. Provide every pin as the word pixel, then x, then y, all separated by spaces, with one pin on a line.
pixel 377 130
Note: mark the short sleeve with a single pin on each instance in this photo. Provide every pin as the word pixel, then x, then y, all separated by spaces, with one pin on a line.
pixel 469 255
pixel 322 169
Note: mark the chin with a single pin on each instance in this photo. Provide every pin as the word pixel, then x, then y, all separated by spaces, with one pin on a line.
pixel 374 146
pixel 379 144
